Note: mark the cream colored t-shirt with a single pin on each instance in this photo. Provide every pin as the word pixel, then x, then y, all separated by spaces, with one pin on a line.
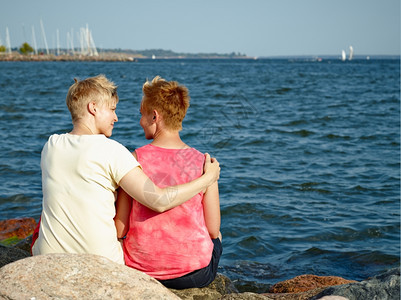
pixel 80 175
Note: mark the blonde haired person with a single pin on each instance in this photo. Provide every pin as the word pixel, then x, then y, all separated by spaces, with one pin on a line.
pixel 180 247
pixel 82 170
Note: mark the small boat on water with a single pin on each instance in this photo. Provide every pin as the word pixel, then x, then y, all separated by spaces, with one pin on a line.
pixel 351 53
pixel 343 55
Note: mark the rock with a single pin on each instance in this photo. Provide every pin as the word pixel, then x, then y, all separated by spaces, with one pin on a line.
pixel 333 298
pixel 244 296
pixel 385 286
pixel 24 244
pixel 20 228
pixel 223 288
pixel 303 287
pixel 76 276
pixel 220 286
pixel 295 296
pixel 11 254
pixel 307 282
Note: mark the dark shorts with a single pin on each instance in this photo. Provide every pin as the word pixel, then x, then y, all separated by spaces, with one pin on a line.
pixel 198 278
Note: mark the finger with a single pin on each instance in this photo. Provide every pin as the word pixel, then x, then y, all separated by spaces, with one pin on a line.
pixel 213 160
pixel 207 157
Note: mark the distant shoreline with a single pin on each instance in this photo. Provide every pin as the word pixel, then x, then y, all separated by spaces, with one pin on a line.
pixel 129 57
pixel 104 58
pixel 52 57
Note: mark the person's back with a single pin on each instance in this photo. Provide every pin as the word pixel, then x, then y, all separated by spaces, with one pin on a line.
pixel 80 174
pixel 180 247
pixel 79 195
pixel 174 243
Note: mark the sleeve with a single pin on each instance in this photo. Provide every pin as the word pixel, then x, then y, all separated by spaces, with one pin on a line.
pixel 123 162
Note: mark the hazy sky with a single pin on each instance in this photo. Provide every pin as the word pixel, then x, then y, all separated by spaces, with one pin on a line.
pixel 252 27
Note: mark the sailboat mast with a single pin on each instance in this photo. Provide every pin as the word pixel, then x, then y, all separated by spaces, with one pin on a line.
pixel 35 47
pixel 93 46
pixel 88 41
pixel 72 42
pixel 8 43
pixel 81 40
pixel 44 36
pixel 58 42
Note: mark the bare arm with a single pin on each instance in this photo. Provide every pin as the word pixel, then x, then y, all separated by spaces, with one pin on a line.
pixel 211 210
pixel 140 187
pixel 123 210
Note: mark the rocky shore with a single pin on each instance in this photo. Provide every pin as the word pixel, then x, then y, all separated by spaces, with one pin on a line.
pixel 87 276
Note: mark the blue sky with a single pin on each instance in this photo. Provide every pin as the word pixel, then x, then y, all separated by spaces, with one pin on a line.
pixel 252 27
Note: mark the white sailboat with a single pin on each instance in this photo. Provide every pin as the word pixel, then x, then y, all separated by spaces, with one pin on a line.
pixel 88 46
pixel 343 55
pixel 351 53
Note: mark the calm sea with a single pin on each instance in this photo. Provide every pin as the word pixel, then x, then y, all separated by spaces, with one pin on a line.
pixel 310 154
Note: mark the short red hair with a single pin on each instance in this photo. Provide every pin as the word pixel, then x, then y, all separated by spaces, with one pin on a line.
pixel 169 98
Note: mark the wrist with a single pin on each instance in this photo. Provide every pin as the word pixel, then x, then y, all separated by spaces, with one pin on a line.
pixel 206 178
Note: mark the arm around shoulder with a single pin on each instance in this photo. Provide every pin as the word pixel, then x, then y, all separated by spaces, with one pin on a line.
pixel 140 187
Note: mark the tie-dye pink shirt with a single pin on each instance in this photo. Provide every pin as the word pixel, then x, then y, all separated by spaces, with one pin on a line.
pixel 170 244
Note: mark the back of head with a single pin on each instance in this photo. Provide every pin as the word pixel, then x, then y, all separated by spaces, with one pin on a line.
pixel 96 89
pixel 169 98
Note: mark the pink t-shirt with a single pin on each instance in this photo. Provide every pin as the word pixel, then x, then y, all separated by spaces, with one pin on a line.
pixel 174 243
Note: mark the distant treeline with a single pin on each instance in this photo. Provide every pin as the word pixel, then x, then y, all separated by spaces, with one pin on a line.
pixel 148 53
pixel 169 53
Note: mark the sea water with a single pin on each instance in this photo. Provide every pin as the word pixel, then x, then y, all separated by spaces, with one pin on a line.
pixel 309 151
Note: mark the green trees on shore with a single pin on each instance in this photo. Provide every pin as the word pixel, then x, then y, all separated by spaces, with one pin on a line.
pixel 26 48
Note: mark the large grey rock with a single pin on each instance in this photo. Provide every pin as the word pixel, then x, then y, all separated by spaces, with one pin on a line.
pixel 11 254
pixel 76 276
pixel 382 287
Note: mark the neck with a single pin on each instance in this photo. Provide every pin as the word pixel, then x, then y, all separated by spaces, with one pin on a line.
pixel 80 128
pixel 168 139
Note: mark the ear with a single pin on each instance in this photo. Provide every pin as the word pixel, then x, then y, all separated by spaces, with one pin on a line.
pixel 156 116
pixel 92 108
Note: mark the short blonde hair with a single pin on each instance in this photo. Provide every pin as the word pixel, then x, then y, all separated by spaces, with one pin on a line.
pixel 96 89
pixel 169 98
